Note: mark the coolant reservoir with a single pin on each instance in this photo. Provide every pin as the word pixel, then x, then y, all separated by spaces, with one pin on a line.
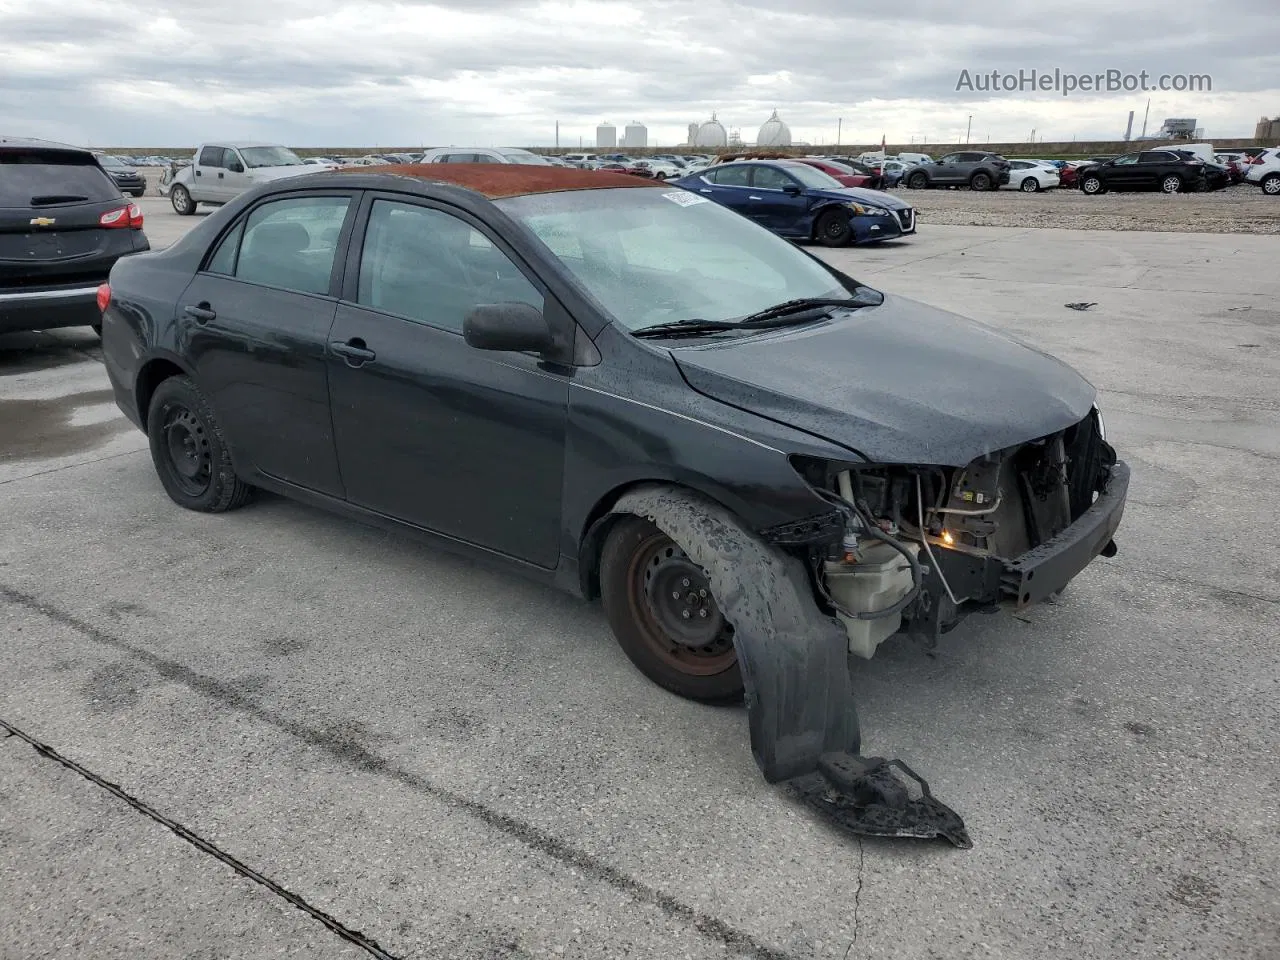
pixel 878 581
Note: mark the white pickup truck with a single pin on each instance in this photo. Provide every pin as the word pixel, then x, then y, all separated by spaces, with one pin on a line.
pixel 220 172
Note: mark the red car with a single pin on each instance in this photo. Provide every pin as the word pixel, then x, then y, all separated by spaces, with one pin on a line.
pixel 846 175
pixel 1067 175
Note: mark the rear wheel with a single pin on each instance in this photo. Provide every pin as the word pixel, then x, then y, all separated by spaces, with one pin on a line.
pixel 980 181
pixel 661 609
pixel 1171 184
pixel 918 181
pixel 136 193
pixel 1271 184
pixel 189 452
pixel 180 197
pixel 1030 185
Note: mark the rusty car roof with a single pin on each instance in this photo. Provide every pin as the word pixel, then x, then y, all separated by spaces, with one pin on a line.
pixel 497 180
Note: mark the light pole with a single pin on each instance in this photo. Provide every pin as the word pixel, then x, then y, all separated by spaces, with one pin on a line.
pixel 968 128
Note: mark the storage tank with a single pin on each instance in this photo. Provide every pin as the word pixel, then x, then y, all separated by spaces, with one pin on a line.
pixel 774 133
pixel 635 134
pixel 606 135
pixel 711 133
pixel 693 134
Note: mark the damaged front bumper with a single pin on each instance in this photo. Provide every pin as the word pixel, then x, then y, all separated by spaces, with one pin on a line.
pixel 795 667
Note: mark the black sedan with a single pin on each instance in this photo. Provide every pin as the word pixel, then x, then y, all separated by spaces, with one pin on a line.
pixel 1163 170
pixel 758 463
pixel 127 178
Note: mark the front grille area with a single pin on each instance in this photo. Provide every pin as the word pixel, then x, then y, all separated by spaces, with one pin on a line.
pixel 907 218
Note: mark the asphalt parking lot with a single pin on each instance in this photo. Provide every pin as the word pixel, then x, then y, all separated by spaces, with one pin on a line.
pixel 450 762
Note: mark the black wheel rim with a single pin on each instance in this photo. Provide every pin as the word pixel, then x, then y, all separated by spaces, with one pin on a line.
pixel 833 229
pixel 980 182
pixel 672 603
pixel 188 455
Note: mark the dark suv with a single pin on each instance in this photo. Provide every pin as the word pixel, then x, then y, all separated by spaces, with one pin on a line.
pixel 63 225
pixel 127 178
pixel 1164 170
pixel 975 169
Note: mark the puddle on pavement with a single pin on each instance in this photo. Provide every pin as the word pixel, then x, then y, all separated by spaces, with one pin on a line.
pixel 59 426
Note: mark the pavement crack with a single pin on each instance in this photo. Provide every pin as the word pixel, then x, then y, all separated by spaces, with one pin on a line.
pixel 338 927
pixel 857 894
pixel 355 755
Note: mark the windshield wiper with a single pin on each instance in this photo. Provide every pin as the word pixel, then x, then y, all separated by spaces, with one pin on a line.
pixel 691 327
pixel 51 198
pixel 791 309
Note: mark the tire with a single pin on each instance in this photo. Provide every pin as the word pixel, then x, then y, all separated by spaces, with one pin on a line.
pixel 189 452
pixel 1171 184
pixel 981 181
pixel 1030 185
pixel 918 181
pixel 1270 184
pixel 833 229
pixel 180 197
pixel 638 562
pixel 1092 186
pixel 136 193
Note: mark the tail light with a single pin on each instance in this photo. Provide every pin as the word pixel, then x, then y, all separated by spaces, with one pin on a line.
pixel 104 297
pixel 130 217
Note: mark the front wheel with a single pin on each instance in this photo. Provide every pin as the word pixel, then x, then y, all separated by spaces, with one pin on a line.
pixel 1171 184
pixel 834 229
pixel 180 197
pixel 189 452
pixel 660 607
pixel 1030 185
pixel 1091 186
pixel 918 181
pixel 1271 184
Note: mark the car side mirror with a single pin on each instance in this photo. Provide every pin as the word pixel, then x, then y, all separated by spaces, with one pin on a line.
pixel 791 189
pixel 516 327
pixel 235 167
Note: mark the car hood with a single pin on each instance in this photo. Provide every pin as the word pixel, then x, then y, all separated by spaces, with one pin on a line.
pixel 267 174
pixel 901 382
pixel 875 198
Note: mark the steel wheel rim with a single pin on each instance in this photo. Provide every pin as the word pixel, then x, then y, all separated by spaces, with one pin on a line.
pixel 188 453
pixel 663 585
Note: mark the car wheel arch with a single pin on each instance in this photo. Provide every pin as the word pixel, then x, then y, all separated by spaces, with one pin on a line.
pixel 151 374
pixel 602 517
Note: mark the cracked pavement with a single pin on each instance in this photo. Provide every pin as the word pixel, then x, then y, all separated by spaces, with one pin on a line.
pixel 457 763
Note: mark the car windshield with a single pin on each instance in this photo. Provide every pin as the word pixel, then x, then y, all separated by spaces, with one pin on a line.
pixel 270 157
pixel 530 158
pixel 650 255
pixel 812 177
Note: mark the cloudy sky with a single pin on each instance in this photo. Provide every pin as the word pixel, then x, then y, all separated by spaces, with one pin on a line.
pixel 367 72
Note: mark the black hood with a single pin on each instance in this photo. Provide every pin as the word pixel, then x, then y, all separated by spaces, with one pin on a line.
pixel 897 383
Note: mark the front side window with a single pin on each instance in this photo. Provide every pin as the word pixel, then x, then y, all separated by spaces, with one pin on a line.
pixel 814 178
pixel 771 178
pixel 1126 160
pixel 210 157
pixel 652 255
pixel 729 176
pixel 951 158
pixel 291 243
pixel 427 265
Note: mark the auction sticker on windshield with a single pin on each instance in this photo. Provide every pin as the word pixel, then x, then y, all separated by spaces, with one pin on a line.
pixel 685 198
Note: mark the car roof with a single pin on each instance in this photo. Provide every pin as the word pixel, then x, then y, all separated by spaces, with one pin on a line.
pixel 498 180
pixel 30 143
pixel 241 144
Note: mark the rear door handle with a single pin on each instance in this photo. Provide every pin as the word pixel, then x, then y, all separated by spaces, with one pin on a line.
pixel 704 191
pixel 353 351
pixel 202 313
pixel 755 198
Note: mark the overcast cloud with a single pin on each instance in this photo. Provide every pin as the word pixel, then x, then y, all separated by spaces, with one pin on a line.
pixel 366 72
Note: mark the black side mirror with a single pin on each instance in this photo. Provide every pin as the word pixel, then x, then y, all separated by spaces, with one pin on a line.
pixel 507 326
pixel 792 189
pixel 235 167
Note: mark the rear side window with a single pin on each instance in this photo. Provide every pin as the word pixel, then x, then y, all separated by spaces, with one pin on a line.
pixel 42 179
pixel 290 243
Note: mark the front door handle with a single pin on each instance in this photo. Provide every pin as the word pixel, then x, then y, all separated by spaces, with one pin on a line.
pixel 755 198
pixel 201 313
pixel 704 191
pixel 220 174
pixel 353 351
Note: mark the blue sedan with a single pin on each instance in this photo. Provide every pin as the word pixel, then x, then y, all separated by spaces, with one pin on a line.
pixel 799 202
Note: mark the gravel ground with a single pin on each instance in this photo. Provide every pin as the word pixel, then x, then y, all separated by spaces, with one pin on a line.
pixel 1239 209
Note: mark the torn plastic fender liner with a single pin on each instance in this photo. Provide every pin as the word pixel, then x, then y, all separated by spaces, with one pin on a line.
pixel 795 668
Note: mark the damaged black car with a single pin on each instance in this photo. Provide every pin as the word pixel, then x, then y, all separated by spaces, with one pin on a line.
pixel 763 467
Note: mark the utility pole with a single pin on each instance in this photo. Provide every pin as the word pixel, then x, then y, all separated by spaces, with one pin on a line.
pixel 557 134
pixel 968 128
pixel 839 124
pixel 1144 120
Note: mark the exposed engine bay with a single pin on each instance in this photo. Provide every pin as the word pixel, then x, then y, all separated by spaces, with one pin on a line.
pixel 921 546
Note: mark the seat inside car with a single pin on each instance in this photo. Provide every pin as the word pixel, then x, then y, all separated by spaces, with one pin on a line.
pixel 275 254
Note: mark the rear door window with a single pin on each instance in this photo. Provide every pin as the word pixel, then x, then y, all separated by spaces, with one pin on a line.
pixel 291 243
pixel 41 178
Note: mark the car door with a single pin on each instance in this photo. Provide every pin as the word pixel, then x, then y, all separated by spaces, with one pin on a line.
pixel 948 169
pixel 235 180
pixel 1152 166
pixel 1123 173
pixel 464 442
pixel 772 205
pixel 730 186
pixel 256 319
pixel 209 178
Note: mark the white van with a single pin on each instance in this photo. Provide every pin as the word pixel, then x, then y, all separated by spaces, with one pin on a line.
pixel 1203 151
